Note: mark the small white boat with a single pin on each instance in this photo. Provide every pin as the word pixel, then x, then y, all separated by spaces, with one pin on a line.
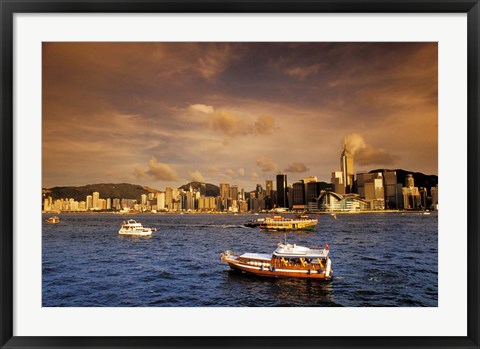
pixel 132 227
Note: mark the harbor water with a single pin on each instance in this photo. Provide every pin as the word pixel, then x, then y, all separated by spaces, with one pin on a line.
pixel 378 260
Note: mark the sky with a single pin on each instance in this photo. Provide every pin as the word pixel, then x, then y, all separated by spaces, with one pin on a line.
pixel 165 114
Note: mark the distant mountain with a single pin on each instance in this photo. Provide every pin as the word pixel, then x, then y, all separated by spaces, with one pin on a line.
pixel 106 190
pixel 211 189
pixel 420 179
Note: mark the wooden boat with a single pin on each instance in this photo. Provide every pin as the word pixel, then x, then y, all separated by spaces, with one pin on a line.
pixel 132 227
pixel 279 223
pixel 53 220
pixel 287 261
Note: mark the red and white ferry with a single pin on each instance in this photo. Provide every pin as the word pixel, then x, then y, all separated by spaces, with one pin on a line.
pixel 287 260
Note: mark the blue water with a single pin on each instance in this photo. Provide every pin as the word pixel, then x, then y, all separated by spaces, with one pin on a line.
pixel 379 259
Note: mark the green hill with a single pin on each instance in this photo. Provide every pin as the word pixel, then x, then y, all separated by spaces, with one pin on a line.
pixel 106 190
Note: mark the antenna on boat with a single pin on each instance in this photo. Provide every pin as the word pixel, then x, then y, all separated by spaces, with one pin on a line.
pixel 285 238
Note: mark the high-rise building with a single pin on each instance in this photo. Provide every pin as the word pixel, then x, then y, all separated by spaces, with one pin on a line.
pixel 409 181
pixel 268 187
pixel 337 182
pixel 298 194
pixel 411 194
pixel 346 165
pixel 282 191
pixel 161 201
pixel 393 190
pixel 96 197
pixel 169 198
pixel 233 192
pixel 144 199
pixel 224 194
pixel 312 191
pixel 259 191
pixel 89 202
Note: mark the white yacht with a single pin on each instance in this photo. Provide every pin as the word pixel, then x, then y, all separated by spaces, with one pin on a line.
pixel 132 227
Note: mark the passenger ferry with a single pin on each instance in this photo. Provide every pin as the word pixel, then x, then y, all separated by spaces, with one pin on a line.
pixel 132 227
pixel 279 223
pixel 53 220
pixel 287 261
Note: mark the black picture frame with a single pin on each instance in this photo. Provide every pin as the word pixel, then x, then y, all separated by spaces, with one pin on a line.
pixel 9 8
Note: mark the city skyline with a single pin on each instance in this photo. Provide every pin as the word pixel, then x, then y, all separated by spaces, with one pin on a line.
pixel 164 114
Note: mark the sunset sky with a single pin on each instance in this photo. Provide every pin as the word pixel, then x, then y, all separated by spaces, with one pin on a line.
pixel 164 114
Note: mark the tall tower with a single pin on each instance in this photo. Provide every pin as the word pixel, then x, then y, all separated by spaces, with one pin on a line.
pixel 282 190
pixel 346 165
pixel 268 187
pixel 96 197
pixel 225 194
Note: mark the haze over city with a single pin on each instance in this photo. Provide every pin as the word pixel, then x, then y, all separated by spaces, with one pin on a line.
pixel 163 114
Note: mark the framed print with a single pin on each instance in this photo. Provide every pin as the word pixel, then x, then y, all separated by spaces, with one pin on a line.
pixel 239 174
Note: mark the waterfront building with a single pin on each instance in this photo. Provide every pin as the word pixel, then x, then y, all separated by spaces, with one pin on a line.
pixel 116 204
pixel 434 193
pixel 233 192
pixel 144 199
pixel 268 187
pixel 411 194
pixel 89 201
pixel 312 191
pixel 224 194
pixel 254 204
pixel 259 191
pixel 243 206
pixel 373 190
pixel 393 190
pixel 298 194
pixel 337 182
pixel 102 204
pixel 169 198
pixel 128 203
pixel 282 191
pixel 96 197
pixel 161 201
pixel 346 166
pixel 333 202
pixel 109 204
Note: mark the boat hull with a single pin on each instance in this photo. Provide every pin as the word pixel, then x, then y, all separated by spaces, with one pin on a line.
pixel 280 224
pixel 279 272
pixel 131 233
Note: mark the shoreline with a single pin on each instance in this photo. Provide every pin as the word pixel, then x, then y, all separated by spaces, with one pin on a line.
pixel 246 213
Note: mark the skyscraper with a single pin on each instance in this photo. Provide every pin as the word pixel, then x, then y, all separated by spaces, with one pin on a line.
pixel 224 194
pixel 268 187
pixel 96 196
pixel 282 190
pixel 337 181
pixel 346 165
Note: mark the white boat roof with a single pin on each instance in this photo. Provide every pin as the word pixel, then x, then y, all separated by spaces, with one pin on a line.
pixel 290 250
pixel 262 256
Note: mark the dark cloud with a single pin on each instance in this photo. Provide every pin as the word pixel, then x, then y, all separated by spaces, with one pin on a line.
pixel 297 167
pixel 266 164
